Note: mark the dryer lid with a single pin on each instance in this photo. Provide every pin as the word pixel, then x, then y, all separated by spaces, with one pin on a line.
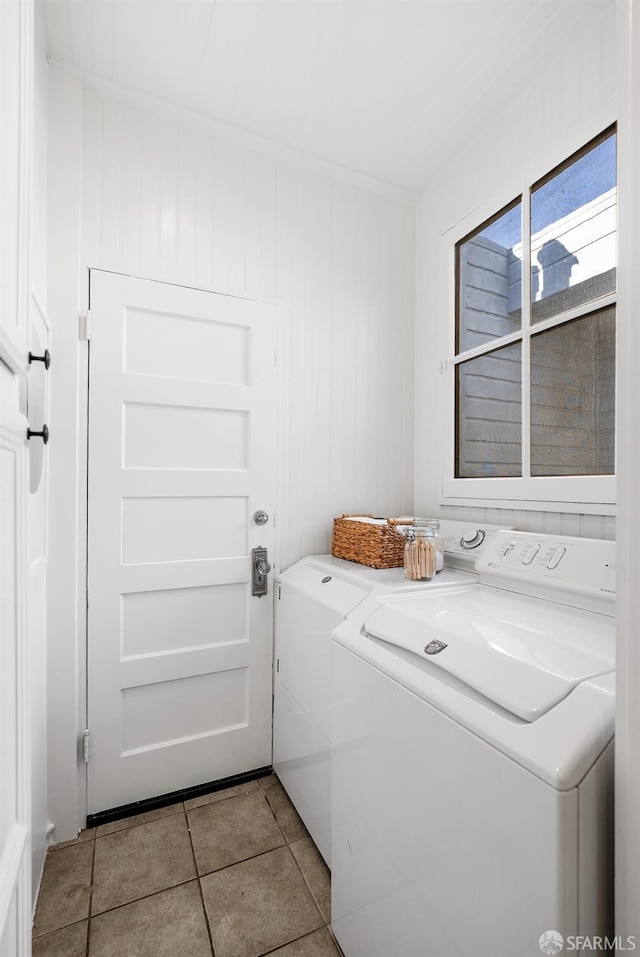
pixel 523 654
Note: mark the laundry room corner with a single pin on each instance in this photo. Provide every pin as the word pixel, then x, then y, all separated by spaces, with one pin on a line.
pixel 139 188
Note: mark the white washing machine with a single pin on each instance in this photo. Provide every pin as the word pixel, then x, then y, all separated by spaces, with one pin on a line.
pixel 472 762
pixel 312 597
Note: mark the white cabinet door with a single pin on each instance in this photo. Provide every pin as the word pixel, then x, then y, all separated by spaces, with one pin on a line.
pixel 16 42
pixel 181 455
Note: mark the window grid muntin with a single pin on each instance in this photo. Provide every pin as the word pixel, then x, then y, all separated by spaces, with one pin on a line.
pixel 526 334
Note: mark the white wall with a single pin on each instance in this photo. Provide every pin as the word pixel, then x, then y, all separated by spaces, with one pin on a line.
pixel 628 647
pixel 65 601
pixel 178 205
pixel 169 201
pixel 572 100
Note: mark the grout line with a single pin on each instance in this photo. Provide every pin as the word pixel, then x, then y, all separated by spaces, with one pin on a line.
pixel 136 823
pixel 243 860
pixel 55 930
pixel 180 807
pixel 93 872
pixel 273 814
pixel 304 877
pixel 295 940
pixel 136 900
pixel 306 836
pixel 161 890
pixel 220 800
pixel 195 864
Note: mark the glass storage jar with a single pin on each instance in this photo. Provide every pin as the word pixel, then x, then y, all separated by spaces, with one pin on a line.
pixel 433 523
pixel 420 554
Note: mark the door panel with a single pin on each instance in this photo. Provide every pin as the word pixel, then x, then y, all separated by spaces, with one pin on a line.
pixel 181 454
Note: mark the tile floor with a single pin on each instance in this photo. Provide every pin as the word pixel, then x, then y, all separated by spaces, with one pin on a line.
pixel 230 874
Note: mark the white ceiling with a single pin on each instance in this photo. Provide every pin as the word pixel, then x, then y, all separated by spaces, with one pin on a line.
pixel 384 87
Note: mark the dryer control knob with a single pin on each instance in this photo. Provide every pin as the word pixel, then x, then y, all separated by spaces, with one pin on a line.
pixel 472 538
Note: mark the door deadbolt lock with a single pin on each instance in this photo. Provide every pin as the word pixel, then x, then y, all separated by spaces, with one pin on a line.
pixel 260 517
pixel 261 569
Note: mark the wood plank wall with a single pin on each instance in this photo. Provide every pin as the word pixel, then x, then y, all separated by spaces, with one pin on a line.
pixel 169 203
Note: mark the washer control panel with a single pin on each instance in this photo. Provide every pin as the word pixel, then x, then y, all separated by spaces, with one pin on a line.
pixel 513 553
pixel 576 565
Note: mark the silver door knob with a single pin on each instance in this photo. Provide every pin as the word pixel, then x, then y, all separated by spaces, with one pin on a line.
pixel 260 517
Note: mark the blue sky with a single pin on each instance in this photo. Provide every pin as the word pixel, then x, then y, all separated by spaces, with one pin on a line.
pixel 586 179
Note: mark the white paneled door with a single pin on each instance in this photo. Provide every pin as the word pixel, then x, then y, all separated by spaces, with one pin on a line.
pixel 181 456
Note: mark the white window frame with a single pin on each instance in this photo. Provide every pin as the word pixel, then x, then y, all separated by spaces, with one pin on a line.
pixel 588 494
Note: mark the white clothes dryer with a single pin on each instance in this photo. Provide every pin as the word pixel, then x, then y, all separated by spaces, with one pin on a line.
pixel 312 598
pixel 472 753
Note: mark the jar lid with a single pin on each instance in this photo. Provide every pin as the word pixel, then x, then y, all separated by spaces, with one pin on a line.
pixel 427 523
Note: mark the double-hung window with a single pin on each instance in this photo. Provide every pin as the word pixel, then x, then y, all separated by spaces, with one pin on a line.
pixel 535 340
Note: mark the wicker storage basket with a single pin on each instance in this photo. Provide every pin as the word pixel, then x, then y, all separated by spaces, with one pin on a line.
pixel 376 545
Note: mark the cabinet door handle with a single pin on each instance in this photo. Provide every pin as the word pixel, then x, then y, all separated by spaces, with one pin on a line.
pixel 46 358
pixel 43 434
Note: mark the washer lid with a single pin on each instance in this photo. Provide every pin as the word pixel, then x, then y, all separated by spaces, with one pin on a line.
pixel 341 585
pixel 523 654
